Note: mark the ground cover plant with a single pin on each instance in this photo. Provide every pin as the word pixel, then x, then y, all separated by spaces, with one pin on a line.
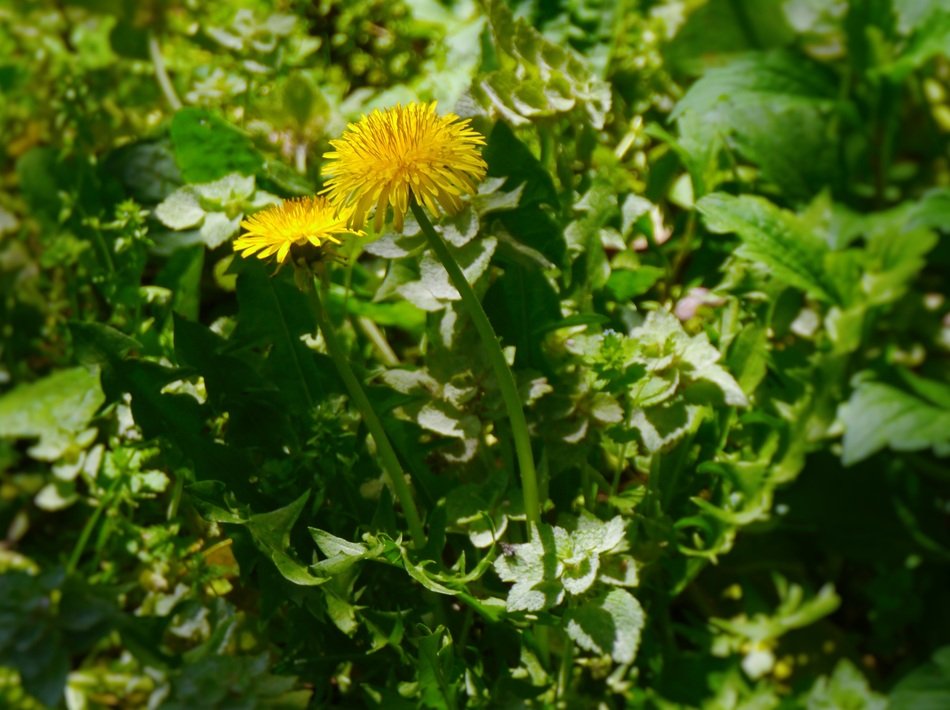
pixel 464 353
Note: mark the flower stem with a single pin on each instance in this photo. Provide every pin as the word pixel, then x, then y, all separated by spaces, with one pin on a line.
pixel 506 380
pixel 357 394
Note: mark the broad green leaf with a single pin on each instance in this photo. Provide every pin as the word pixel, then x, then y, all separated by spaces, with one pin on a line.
pixel 257 416
pixel 925 688
pixel 775 109
pixel 46 619
pixel 182 276
pixel 207 147
pixel 509 158
pixel 933 210
pixel 217 679
pixel 879 415
pixel 520 303
pixel 717 30
pixel 177 418
pixel 55 410
pixel 273 316
pixel 748 357
pixel 610 624
pixel 774 238
pixel 147 169
pixel 937 393
pixel 624 285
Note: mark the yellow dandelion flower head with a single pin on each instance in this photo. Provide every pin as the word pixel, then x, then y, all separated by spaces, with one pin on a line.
pixel 403 153
pixel 299 221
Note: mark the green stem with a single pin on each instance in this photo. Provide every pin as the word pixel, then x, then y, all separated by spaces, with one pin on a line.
pixel 376 337
pixel 506 380
pixel 104 504
pixel 357 394
pixel 161 74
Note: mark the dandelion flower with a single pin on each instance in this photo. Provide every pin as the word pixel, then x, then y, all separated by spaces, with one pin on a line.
pixel 404 153
pixel 306 220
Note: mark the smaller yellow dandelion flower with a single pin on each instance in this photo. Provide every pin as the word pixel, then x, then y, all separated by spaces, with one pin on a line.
pixel 401 154
pixel 305 220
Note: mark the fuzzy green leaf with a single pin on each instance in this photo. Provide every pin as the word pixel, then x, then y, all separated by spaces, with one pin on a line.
pixel 610 624
pixel 878 415
pixel 54 410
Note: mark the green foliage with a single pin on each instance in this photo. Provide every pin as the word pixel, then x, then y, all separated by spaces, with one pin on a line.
pixel 56 410
pixel 537 79
pixel 879 415
pixel 712 243
pixel 44 620
pixel 926 687
pixel 208 148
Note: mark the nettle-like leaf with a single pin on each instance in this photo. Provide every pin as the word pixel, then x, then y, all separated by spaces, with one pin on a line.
pixel 610 625
pixel 432 291
pixel 663 425
pixel 210 212
pixel 537 79
pixel 662 374
pixel 441 406
pixel 663 345
pixel 425 283
pixel 532 567
pixel 556 562
pixel 879 415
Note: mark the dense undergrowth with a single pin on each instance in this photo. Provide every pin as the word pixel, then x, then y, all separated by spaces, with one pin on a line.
pixel 713 242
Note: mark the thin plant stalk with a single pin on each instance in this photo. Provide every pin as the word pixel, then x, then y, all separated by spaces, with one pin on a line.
pixel 384 448
pixel 161 74
pixel 506 380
